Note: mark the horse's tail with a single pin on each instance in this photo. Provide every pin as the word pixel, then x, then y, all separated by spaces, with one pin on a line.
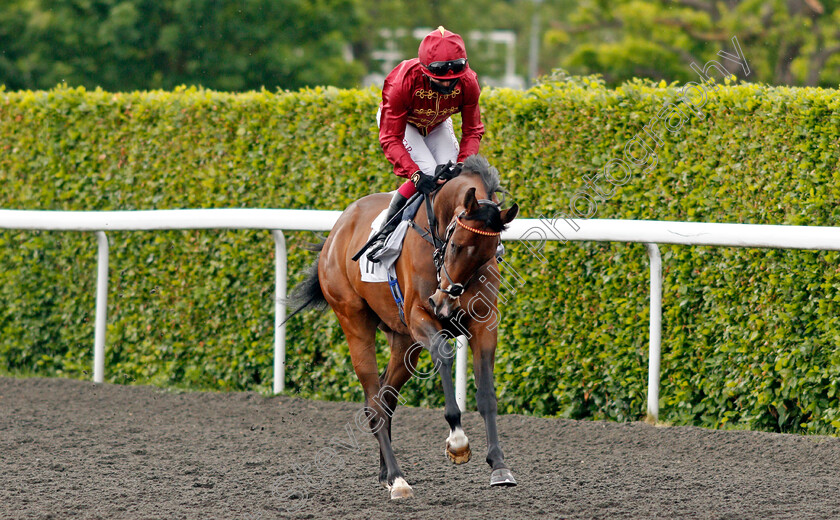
pixel 308 292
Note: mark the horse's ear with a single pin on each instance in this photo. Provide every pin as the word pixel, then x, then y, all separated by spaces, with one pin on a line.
pixel 470 204
pixel 509 214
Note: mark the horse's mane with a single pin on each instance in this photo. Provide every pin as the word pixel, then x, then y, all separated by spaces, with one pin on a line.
pixel 488 214
pixel 489 174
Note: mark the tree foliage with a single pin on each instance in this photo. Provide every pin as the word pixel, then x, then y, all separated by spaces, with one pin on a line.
pixel 146 44
pixel 124 45
pixel 787 42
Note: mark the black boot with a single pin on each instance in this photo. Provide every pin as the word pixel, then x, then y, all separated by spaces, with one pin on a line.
pixel 397 203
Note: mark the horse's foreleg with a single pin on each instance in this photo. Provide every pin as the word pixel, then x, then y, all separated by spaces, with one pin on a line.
pixel 443 355
pixel 483 361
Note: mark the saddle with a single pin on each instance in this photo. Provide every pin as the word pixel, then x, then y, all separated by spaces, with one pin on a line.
pixel 387 256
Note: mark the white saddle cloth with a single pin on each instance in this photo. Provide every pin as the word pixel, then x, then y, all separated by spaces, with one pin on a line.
pixel 372 272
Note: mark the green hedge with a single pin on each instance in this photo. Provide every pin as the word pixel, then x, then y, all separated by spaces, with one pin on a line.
pixel 749 336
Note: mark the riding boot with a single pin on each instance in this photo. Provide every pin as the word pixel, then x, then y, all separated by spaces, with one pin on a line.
pixel 397 203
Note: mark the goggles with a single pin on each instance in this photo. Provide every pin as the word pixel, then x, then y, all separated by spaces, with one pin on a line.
pixel 440 68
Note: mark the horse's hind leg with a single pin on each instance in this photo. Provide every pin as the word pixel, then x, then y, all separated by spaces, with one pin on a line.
pixel 360 330
pixel 392 380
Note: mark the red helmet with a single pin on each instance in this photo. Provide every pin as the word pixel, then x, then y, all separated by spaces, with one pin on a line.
pixel 443 55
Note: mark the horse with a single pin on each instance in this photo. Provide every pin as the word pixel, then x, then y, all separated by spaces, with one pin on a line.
pixel 433 294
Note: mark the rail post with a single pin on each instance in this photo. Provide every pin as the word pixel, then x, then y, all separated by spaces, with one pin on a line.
pixel 101 308
pixel 654 354
pixel 280 274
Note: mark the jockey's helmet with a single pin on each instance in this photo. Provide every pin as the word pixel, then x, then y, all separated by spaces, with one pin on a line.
pixel 443 55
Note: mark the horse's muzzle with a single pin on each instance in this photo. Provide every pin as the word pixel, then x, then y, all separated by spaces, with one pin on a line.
pixel 444 305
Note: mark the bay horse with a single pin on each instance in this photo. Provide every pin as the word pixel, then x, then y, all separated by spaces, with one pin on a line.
pixel 435 313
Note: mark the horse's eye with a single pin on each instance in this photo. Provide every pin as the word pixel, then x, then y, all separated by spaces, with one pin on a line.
pixel 454 247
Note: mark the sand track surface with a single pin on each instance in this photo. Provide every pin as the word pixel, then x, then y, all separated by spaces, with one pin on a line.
pixel 72 449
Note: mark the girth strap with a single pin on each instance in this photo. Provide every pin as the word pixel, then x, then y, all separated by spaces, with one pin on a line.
pixel 394 285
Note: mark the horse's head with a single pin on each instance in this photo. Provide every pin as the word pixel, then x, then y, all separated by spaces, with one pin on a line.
pixel 470 241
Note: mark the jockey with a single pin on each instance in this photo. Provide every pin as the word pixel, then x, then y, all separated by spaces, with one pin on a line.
pixel 415 127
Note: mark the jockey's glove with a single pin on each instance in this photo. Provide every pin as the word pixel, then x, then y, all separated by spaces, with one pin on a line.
pixel 444 171
pixel 456 170
pixel 423 183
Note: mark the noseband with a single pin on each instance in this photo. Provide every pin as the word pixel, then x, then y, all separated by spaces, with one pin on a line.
pixel 456 289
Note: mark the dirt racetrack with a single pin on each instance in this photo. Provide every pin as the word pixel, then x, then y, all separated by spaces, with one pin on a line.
pixel 72 449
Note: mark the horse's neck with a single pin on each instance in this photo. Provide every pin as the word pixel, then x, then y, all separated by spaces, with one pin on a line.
pixel 443 209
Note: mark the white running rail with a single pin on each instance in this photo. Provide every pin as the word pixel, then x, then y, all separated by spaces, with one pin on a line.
pixel 534 231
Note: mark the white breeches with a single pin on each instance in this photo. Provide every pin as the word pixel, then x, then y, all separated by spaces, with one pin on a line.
pixel 439 147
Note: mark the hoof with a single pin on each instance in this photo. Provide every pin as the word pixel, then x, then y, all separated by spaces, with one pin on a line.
pixel 459 456
pixel 400 489
pixel 458 446
pixel 502 477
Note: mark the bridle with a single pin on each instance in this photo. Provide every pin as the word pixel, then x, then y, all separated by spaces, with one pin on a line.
pixel 456 289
